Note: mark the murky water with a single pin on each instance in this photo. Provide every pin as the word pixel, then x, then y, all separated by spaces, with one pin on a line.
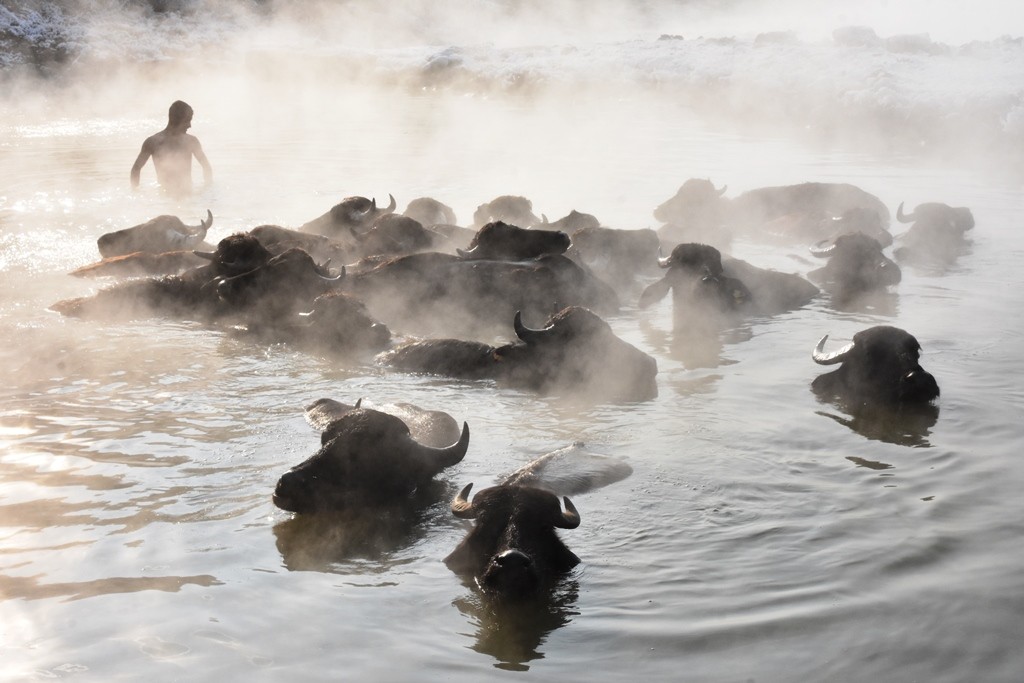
pixel 760 537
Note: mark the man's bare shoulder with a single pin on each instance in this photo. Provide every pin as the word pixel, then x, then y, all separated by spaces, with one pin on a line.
pixel 155 140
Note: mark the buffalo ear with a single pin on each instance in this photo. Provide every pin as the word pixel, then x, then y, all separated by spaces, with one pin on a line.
pixel 654 293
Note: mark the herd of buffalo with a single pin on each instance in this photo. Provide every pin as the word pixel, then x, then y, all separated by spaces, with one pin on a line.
pixel 518 300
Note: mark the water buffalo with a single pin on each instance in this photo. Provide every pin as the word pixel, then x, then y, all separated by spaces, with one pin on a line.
pixel 753 208
pixel 163 233
pixel 507 209
pixel 323 249
pixel 802 212
pixel 570 471
pixel 703 297
pixel 498 240
pixel 394 235
pixel 938 233
pixel 698 212
pixel 856 266
pixel 352 214
pixel 616 256
pixel 571 222
pixel 881 366
pixel 513 551
pixel 429 427
pixel 337 324
pixel 576 353
pixel 191 295
pixel 368 460
pixel 818 226
pixel 285 284
pixel 710 293
pixel 440 294
pixel 429 211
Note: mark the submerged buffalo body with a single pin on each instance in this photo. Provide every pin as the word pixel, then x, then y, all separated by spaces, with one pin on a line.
pixel 440 294
pixel 572 221
pixel 513 550
pixel 750 210
pixel 709 292
pixel 323 249
pixel 503 241
pixel 352 214
pixel 163 233
pixel 286 284
pixel 337 324
pixel 367 459
pixel 617 256
pixel 576 353
pixel 140 264
pixel 881 366
pixel 429 211
pixel 394 235
pixel 806 212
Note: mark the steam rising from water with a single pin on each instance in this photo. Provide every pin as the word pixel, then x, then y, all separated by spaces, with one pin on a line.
pixel 910 79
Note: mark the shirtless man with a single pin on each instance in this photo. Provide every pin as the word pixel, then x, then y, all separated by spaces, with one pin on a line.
pixel 172 150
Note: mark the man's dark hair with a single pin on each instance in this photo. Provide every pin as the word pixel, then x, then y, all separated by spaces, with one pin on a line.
pixel 178 112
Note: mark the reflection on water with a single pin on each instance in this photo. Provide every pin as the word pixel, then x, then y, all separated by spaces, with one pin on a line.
pixel 346 541
pixel 32 588
pixel 513 633
pixel 904 426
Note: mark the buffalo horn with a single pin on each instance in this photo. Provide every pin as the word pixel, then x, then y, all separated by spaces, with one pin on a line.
pixel 722 191
pixel 447 456
pixel 467 253
pixel 570 519
pixel 902 217
pixel 461 507
pixel 328 277
pixel 208 255
pixel 822 358
pixel 664 261
pixel 525 333
pixel 821 251
pixel 205 225
pixel 390 208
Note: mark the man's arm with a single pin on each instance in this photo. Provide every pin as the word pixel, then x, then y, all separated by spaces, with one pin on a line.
pixel 204 162
pixel 140 161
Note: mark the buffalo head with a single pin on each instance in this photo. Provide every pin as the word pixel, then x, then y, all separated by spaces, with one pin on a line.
pixel 880 366
pixel 367 459
pixel 513 550
pixel 856 265
pixel 236 254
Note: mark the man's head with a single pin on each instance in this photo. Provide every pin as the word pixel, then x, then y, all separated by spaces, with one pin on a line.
pixel 179 115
